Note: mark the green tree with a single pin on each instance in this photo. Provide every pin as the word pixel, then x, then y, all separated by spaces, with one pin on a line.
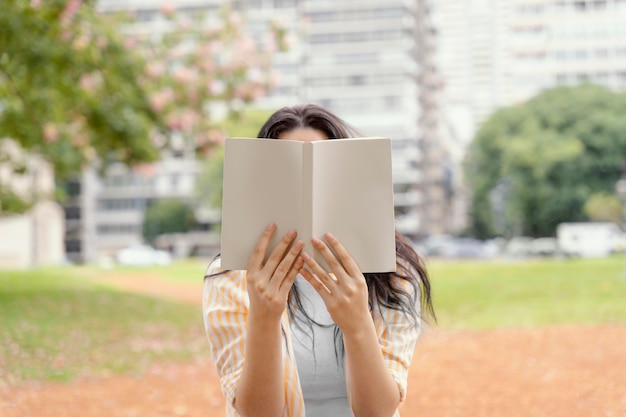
pixel 554 151
pixel 602 207
pixel 167 216
pixel 78 87
pixel 68 87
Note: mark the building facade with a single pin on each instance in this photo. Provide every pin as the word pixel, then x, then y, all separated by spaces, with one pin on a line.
pixel 365 61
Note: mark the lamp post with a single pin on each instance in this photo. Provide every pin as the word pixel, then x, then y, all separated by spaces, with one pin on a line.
pixel 620 190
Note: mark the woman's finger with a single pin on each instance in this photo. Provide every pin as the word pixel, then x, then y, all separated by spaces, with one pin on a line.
pixel 286 283
pixel 317 271
pixel 316 284
pixel 279 252
pixel 330 258
pixel 344 256
pixel 258 254
pixel 285 266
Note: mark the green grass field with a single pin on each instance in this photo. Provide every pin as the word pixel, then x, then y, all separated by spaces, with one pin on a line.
pixel 56 324
pixel 533 293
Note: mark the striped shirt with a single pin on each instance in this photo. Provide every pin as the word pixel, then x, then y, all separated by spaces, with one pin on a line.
pixel 225 310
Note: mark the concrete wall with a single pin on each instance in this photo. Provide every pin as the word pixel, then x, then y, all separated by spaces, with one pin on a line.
pixel 33 239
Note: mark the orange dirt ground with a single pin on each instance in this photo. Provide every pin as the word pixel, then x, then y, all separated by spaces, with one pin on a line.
pixel 563 371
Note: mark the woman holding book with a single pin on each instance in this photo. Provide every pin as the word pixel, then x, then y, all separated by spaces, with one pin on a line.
pixel 292 338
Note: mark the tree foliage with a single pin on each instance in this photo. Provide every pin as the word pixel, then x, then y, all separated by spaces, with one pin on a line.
pixel 79 87
pixel 602 207
pixel 545 158
pixel 68 87
pixel 167 216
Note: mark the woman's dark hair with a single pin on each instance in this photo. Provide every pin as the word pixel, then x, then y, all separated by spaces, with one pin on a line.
pixel 306 116
pixel 386 290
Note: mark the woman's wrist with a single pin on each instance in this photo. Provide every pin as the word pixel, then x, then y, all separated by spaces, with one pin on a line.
pixel 359 330
pixel 263 319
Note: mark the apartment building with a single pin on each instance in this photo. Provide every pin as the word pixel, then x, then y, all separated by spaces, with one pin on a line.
pixel 358 59
pixel 567 42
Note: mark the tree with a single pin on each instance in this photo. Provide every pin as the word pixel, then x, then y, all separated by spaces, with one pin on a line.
pixel 76 91
pixel 602 207
pixel 554 152
pixel 167 216
pixel 68 87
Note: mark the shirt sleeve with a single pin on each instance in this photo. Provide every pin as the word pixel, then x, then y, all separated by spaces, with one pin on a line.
pixel 397 336
pixel 225 309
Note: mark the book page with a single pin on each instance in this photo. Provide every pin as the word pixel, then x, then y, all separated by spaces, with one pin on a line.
pixel 262 183
pixel 353 199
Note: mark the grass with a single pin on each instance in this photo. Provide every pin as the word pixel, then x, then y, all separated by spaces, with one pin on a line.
pixel 525 294
pixel 55 326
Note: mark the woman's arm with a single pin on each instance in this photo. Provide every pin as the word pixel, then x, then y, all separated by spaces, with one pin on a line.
pixel 373 391
pixel 260 391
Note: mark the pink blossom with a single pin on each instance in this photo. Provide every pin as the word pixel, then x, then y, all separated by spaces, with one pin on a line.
pixel 102 42
pixel 157 102
pixel 168 8
pixel 35 3
pixel 246 45
pixel 130 43
pixel 207 65
pixel 216 87
pixel 173 121
pixel 66 35
pixel 183 74
pixel 155 69
pixel 188 119
pixel 80 43
pixel 89 82
pixel 275 78
pixel 216 136
pixel 50 132
pixel 70 10
pixel 157 139
pixel 147 170
pixel 79 141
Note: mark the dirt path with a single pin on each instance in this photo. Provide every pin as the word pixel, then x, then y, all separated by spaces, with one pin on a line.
pixel 568 371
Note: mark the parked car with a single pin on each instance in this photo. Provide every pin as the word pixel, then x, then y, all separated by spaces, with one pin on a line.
pixel 464 248
pixel 143 255
pixel 545 247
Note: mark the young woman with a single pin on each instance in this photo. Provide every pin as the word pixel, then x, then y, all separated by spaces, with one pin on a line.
pixel 287 344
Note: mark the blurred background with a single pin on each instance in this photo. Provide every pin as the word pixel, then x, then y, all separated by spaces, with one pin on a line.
pixel 507 126
pixel 506 118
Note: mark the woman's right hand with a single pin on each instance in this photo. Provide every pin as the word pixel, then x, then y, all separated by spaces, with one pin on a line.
pixel 269 281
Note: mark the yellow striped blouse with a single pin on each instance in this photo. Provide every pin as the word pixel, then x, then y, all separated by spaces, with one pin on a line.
pixel 225 311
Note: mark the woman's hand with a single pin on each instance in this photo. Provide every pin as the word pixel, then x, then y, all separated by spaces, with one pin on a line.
pixel 345 294
pixel 269 282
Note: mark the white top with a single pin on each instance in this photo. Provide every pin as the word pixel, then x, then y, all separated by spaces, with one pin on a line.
pixel 321 370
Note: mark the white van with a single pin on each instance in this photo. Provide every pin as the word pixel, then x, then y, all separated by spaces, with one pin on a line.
pixel 589 240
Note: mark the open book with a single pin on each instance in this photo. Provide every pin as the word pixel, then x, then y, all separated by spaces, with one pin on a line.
pixel 341 186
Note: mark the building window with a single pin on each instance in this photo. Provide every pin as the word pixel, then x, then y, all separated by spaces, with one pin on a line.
pixel 117 229
pixel 119 204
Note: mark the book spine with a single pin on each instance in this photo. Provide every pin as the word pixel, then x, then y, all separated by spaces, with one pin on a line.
pixel 306 218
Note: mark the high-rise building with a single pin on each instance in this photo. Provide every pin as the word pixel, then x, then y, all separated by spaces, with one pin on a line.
pixel 361 62
pixel 566 42
pixel 370 62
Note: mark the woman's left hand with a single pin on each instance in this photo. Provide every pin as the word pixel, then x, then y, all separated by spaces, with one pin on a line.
pixel 345 294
